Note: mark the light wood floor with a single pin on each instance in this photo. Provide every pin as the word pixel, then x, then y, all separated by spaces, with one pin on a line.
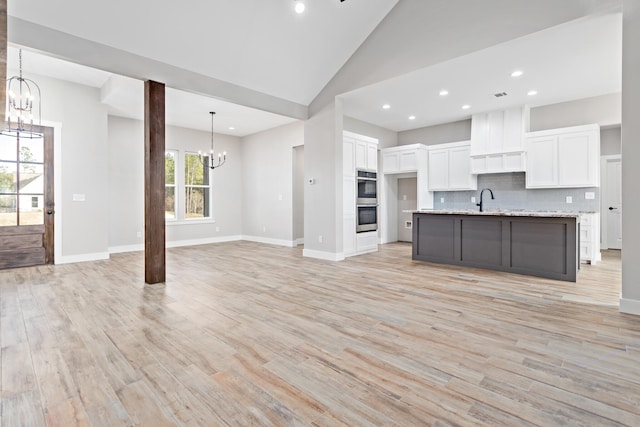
pixel 245 334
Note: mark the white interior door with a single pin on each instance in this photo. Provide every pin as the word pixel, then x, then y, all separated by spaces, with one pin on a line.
pixel 613 206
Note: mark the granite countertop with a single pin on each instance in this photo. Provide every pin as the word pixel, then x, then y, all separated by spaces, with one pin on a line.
pixel 547 214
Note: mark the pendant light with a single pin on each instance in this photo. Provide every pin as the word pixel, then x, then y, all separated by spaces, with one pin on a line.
pixel 22 95
pixel 210 161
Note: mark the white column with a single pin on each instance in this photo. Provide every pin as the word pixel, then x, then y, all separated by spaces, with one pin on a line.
pixel 630 297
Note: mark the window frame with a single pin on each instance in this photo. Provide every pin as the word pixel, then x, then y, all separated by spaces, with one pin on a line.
pixel 206 186
pixel 180 191
pixel 174 185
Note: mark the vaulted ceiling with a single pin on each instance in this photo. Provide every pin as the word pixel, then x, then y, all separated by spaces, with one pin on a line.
pixel 263 55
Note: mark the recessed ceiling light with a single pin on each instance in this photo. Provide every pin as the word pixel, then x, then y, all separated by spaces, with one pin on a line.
pixel 386 106
pixel 444 92
pixel 466 106
pixel 299 7
pixel 532 92
pixel 412 117
pixel 232 128
pixel 517 73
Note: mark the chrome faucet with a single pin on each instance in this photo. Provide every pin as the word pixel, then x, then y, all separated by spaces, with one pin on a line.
pixel 481 192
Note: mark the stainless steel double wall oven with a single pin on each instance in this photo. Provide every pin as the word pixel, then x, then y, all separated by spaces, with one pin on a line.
pixel 366 201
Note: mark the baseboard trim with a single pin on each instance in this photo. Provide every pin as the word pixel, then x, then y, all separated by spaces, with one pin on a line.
pixel 300 241
pixel 205 241
pixel 269 241
pixel 70 259
pixel 327 256
pixel 629 306
pixel 125 248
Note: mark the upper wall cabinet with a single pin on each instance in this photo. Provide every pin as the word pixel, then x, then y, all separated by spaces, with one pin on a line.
pixel 449 167
pixel 563 158
pixel 404 158
pixel 497 140
pixel 366 151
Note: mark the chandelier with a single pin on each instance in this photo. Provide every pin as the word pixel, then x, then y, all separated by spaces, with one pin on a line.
pixel 22 94
pixel 210 161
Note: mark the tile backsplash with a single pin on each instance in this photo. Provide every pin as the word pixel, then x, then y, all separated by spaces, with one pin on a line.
pixel 510 193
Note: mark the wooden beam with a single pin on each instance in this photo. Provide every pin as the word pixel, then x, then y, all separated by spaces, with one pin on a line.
pixel 154 224
pixel 3 59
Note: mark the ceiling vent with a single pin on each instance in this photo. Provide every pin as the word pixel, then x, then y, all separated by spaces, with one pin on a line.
pixel 500 94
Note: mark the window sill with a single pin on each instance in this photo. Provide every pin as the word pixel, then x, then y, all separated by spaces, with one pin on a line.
pixel 172 222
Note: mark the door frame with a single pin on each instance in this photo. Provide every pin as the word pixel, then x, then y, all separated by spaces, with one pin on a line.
pixel 57 189
pixel 603 197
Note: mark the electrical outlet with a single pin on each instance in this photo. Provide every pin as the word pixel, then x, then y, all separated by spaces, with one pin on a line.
pixel 408 224
pixel 139 234
pixel 404 197
pixel 441 199
pixel 320 239
pixel 264 228
pixel 217 229
pixel 569 199
pixel 589 195
pixel 473 199
pixel 280 197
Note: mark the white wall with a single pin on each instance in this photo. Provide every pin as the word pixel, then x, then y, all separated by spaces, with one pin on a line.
pixel 298 192
pixel 126 186
pixel 407 200
pixel 126 181
pixel 438 134
pixel 605 110
pixel 268 184
pixel 386 138
pixel 630 298
pixel 610 141
pixel 81 227
pixel 323 199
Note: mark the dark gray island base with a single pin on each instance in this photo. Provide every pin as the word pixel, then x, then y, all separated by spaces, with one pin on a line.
pixel 525 243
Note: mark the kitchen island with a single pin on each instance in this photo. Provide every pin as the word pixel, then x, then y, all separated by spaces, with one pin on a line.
pixel 541 244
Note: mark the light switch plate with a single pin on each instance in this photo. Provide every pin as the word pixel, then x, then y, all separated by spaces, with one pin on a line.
pixel 473 199
pixel 589 195
pixel 79 198
pixel 569 199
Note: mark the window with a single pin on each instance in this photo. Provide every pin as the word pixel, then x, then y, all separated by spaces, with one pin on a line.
pixel 196 187
pixel 187 187
pixel 170 184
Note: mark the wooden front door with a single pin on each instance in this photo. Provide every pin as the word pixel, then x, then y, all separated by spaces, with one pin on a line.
pixel 26 200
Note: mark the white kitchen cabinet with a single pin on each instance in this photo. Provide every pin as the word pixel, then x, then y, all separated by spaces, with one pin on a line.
pixel 563 158
pixel 590 237
pixel 348 156
pixel 358 152
pixel 349 238
pixel 367 242
pixel 449 168
pixel 403 159
pixel 497 141
pixel 365 151
pixel 372 156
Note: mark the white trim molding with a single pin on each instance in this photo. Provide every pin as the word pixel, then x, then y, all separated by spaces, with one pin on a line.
pixel 327 256
pixel 270 241
pixel 126 248
pixel 205 241
pixel 604 243
pixel 629 306
pixel 70 259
